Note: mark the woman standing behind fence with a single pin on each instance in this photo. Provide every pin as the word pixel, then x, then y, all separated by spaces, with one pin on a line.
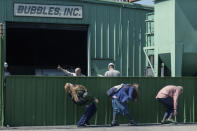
pixel 168 96
pixel 120 96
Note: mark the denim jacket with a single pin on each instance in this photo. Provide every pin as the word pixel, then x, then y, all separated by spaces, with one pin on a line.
pixel 124 94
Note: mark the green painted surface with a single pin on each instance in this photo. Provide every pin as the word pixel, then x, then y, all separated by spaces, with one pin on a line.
pixel 41 101
pixel 164 33
pixel 186 32
pixel 149 29
pixel 116 31
pixel 1 81
pixel 175 33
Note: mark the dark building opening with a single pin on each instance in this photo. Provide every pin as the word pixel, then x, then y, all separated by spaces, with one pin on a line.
pixel 32 49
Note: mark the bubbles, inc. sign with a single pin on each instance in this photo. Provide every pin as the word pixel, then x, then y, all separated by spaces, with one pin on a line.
pixel 36 10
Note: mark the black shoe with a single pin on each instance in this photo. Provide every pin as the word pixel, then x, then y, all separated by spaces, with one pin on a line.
pixel 81 125
pixel 132 122
pixel 114 124
pixel 87 123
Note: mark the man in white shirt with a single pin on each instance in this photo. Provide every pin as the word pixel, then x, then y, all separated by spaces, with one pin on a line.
pixel 6 72
pixel 112 72
pixel 68 73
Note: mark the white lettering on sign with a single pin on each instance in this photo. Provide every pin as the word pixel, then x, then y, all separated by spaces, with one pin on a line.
pixel 36 10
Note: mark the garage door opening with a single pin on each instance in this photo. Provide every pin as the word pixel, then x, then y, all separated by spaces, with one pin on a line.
pixel 37 49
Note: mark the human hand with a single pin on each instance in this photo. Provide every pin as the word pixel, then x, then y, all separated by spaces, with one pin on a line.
pixel 59 67
pixel 85 94
pixel 96 100
pixel 175 112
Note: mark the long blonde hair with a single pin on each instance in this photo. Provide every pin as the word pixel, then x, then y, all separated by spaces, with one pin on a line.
pixel 72 90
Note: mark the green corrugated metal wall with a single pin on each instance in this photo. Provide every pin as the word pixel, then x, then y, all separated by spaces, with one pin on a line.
pixel 116 32
pixel 34 100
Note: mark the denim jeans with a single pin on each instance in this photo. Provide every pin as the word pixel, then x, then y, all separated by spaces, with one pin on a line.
pixel 168 104
pixel 119 107
pixel 88 114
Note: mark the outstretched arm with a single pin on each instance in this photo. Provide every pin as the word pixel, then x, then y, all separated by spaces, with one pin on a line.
pixel 131 93
pixel 175 99
pixel 64 70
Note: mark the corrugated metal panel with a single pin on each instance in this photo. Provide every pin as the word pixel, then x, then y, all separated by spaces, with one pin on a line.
pixel 119 39
pixel 116 32
pixel 42 101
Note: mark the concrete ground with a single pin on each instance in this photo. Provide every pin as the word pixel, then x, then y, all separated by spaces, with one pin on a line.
pixel 142 127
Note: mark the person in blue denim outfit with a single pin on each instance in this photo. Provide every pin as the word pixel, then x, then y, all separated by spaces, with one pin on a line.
pixel 120 102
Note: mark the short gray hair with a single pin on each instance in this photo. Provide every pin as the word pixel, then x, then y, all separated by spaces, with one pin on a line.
pixel 180 87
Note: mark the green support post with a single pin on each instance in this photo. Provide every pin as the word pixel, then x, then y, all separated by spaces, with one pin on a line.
pixel 1 76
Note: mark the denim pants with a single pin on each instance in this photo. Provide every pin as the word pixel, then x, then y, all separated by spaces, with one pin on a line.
pixel 88 114
pixel 119 107
pixel 168 104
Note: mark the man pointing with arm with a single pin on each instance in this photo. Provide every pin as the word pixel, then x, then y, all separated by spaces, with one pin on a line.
pixel 68 73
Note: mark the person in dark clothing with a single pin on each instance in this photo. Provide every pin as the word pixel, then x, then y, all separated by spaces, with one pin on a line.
pixel 79 95
pixel 6 72
pixel 87 115
pixel 120 102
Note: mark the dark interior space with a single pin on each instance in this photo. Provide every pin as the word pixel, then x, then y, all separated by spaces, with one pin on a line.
pixel 166 71
pixel 29 48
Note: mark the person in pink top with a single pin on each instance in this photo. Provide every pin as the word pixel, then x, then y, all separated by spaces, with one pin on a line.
pixel 168 96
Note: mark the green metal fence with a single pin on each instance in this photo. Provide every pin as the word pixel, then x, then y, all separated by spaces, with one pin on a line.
pixel 32 100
